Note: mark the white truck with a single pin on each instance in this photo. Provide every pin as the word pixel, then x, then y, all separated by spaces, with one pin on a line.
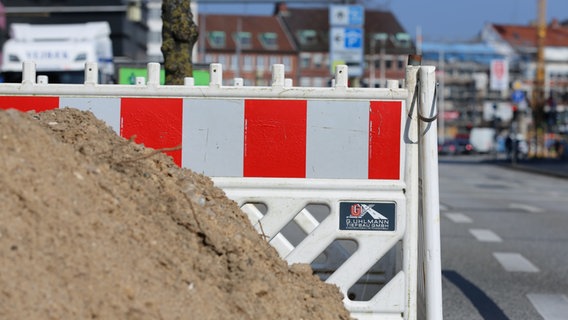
pixel 59 51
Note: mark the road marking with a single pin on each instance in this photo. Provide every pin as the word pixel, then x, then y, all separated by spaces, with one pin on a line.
pixel 525 207
pixel 514 262
pixel 485 235
pixel 550 306
pixel 458 217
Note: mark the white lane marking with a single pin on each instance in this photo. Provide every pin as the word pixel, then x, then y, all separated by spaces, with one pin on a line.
pixel 514 262
pixel 458 217
pixel 485 235
pixel 550 306
pixel 525 207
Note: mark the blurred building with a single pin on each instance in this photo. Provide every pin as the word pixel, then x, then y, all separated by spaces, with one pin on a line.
pixel 386 45
pixel 246 46
pixel 464 71
pixel 299 39
pixel 464 91
pixel 518 44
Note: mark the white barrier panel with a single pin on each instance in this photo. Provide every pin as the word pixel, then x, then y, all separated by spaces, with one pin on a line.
pixel 429 213
pixel 328 175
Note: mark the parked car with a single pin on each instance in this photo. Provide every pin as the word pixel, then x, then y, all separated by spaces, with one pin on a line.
pixel 455 147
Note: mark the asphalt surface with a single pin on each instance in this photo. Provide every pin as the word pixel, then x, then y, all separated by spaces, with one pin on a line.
pixel 503 238
pixel 550 167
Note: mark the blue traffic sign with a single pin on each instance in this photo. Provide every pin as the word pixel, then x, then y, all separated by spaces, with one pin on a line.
pixel 518 96
pixel 356 15
pixel 353 38
pixel 346 15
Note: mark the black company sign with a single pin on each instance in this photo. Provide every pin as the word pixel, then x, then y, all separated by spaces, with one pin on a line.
pixel 367 216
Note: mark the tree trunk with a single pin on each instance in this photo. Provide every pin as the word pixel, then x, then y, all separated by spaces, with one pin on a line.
pixel 179 34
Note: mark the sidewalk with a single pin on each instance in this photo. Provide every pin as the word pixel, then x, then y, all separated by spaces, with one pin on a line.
pixel 550 167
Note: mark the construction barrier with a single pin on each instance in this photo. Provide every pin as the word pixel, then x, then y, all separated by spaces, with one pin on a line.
pixel 343 179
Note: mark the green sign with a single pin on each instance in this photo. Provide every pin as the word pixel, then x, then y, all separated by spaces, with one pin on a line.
pixel 201 77
pixel 127 75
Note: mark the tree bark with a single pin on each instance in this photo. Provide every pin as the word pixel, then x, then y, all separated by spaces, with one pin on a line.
pixel 179 34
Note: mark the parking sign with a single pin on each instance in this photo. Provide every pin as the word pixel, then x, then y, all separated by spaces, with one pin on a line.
pixel 346 37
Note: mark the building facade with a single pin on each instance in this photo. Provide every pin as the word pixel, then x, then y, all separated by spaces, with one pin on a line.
pixel 246 46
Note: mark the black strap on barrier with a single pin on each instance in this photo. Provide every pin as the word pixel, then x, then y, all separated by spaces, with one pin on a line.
pixel 435 116
pixel 415 98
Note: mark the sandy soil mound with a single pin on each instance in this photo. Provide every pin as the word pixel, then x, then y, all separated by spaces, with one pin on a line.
pixel 96 226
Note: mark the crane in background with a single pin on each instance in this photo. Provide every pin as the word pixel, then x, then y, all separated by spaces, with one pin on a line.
pixel 538 94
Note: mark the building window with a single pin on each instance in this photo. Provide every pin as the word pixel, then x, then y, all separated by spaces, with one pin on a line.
pixel 243 38
pixel 388 63
pixel 234 62
pixel 154 14
pixel 287 63
pixel 216 39
pixel 274 60
pixel 305 82
pixel 318 60
pixel 247 63
pixel 260 63
pixel 222 60
pixel 155 36
pixel 269 40
pixel 402 40
pixel 401 64
pixel 209 58
pixel 307 37
pixel 304 60
pixel 318 82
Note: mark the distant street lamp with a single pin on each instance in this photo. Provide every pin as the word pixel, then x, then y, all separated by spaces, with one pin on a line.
pixel 382 38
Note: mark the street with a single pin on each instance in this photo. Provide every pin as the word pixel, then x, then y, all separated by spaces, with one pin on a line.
pixel 504 242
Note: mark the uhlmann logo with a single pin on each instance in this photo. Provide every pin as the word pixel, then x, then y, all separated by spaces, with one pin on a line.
pixel 367 216
pixel 359 210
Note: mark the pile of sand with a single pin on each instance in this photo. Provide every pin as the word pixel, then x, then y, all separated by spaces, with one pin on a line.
pixel 96 226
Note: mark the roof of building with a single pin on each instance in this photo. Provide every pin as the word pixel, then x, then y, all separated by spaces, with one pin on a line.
pixel 475 52
pixel 385 22
pixel 309 27
pixel 260 33
pixel 526 36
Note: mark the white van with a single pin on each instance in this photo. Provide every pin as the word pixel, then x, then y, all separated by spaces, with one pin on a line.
pixel 483 140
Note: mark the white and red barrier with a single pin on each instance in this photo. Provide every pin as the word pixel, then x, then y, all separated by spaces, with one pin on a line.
pixel 354 151
pixel 271 138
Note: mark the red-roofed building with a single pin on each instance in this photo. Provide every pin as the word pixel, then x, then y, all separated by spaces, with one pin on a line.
pixel 299 39
pixel 246 46
pixel 519 44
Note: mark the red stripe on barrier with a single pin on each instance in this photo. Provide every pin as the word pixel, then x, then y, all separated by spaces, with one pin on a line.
pixel 384 139
pixel 275 138
pixel 156 123
pixel 29 103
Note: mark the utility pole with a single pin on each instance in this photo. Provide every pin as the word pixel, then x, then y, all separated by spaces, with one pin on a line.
pixel 538 94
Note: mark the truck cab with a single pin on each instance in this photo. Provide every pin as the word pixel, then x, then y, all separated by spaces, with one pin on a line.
pixel 59 51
